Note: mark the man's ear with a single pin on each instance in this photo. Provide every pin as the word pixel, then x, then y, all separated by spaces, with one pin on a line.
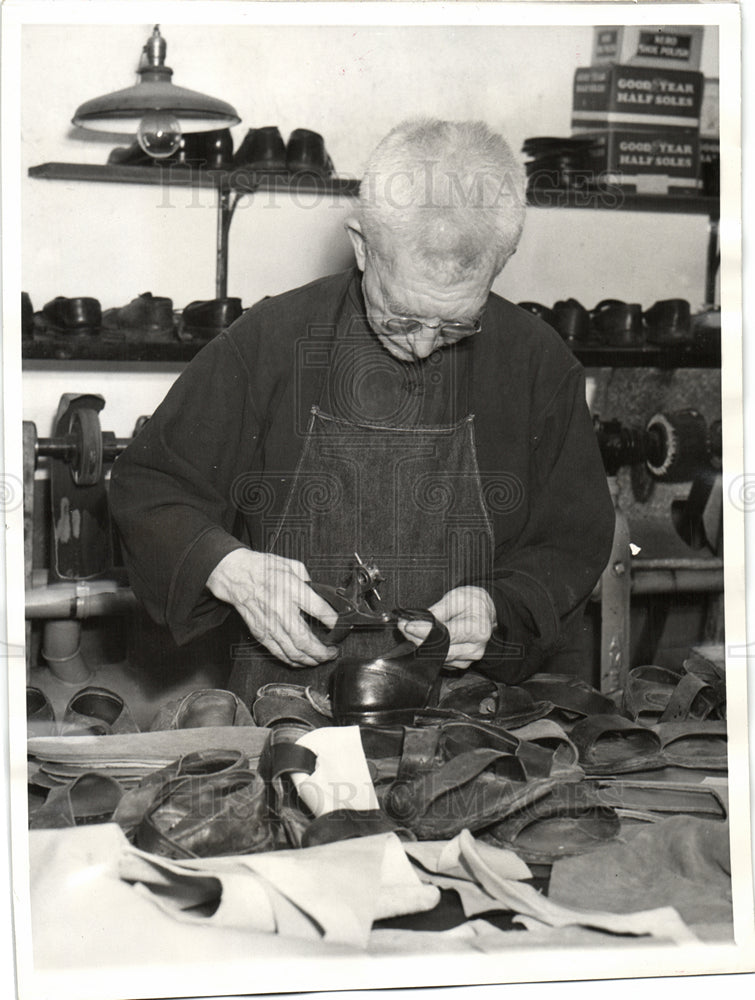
pixel 354 231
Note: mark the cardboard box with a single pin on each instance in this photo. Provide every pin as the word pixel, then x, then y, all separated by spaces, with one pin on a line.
pixel 675 47
pixel 649 161
pixel 634 96
pixel 709 110
pixel 710 166
pixel 710 150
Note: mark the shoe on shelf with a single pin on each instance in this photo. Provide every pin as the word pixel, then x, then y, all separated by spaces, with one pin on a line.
pixel 205 318
pixel 669 322
pixel 148 315
pixel 27 316
pixel 262 149
pixel 206 150
pixel 618 324
pixel 571 320
pixel 306 154
pixel 76 315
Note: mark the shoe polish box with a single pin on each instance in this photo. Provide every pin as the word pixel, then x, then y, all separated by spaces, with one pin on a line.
pixel 634 96
pixel 677 47
pixel 646 161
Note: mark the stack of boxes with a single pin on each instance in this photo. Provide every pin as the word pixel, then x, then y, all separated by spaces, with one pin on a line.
pixel 640 102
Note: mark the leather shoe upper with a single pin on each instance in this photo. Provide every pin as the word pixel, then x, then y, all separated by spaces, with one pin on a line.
pixel 205 707
pixel 205 318
pixel 76 315
pixel 393 686
pixel 147 313
pixel 208 816
pixel 262 149
pixel 207 150
pixel 97 711
pixel 618 324
pixel 305 153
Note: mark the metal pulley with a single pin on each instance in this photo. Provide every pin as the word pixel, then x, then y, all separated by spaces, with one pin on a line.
pixel 679 445
pixel 78 451
pixel 673 446
pixel 85 429
pixel 81 444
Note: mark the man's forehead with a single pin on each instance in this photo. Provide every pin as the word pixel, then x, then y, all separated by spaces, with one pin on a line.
pixel 405 281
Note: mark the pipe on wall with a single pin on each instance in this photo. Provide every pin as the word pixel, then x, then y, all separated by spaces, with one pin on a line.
pixel 79 600
pixel 61 649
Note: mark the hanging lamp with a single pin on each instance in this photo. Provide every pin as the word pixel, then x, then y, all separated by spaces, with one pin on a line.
pixel 158 110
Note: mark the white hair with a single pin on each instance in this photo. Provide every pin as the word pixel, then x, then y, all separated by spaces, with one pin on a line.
pixel 452 194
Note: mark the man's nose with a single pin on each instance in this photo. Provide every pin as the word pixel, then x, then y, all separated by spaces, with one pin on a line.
pixel 425 340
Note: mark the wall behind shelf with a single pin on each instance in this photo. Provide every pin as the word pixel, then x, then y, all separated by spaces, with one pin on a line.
pixel 116 241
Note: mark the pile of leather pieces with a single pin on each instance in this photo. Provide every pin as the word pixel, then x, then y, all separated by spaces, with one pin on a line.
pixel 262 150
pixel 615 323
pixel 549 769
pixel 147 318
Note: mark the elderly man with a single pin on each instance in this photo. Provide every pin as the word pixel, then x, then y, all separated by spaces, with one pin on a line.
pixel 399 410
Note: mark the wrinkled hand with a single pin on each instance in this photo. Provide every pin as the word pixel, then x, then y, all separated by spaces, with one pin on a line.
pixel 469 615
pixel 270 592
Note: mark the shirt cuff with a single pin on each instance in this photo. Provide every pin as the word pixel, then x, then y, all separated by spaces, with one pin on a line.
pixel 191 608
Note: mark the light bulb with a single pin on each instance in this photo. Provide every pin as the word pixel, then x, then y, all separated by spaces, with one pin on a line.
pixel 159 134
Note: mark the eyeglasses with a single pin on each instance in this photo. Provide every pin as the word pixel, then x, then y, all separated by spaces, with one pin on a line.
pixel 407 326
pixel 451 332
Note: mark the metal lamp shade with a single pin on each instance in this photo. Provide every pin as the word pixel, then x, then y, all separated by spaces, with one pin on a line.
pixel 118 111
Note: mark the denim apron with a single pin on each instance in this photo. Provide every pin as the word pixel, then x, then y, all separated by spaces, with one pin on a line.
pixel 404 495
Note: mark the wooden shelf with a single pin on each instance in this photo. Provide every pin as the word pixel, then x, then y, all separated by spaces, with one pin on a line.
pixel 613 198
pixel 650 356
pixel 103 347
pixel 241 179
